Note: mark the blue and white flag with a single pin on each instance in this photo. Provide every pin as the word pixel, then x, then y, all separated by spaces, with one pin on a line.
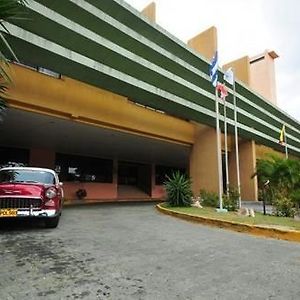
pixel 213 70
pixel 229 76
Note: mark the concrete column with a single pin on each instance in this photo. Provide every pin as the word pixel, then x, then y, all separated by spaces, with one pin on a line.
pixel 152 180
pixel 115 177
pixel 241 67
pixel 205 42
pixel 203 157
pixel 262 75
pixel 247 154
pixel 232 169
pixel 257 72
pixel 43 158
pixel 115 171
pixel 203 160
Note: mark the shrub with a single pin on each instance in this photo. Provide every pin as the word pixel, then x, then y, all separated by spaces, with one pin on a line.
pixel 231 201
pixel 284 206
pixel 178 188
pixel 209 198
pixel 283 191
pixel 295 196
pixel 266 195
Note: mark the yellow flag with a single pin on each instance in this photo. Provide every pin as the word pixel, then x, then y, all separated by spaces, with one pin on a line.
pixel 282 135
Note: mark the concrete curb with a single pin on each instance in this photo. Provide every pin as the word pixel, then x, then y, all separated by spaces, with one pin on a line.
pixel 289 235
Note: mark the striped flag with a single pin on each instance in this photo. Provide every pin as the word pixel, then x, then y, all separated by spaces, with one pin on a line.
pixel 213 70
pixel 282 135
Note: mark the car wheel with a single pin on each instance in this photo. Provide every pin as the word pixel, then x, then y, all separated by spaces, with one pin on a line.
pixel 52 222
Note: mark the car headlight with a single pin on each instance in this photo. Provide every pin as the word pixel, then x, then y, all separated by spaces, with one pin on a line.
pixel 51 192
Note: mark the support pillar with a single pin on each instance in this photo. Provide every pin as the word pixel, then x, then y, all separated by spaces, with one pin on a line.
pixel 115 177
pixel 115 171
pixel 247 154
pixel 204 160
pixel 152 180
pixel 205 42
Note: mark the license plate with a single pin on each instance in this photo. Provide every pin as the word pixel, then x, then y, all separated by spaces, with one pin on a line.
pixel 8 212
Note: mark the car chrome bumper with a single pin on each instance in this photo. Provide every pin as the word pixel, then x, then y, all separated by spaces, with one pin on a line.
pixel 37 213
pixel 23 212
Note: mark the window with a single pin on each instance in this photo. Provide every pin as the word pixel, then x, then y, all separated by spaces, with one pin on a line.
pixel 84 169
pixel 13 156
pixel 49 72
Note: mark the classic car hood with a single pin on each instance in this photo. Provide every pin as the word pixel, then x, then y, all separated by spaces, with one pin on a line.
pixel 20 189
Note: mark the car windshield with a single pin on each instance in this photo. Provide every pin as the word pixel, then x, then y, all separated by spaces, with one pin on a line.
pixel 27 176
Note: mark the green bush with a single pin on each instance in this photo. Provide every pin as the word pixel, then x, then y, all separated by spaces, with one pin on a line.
pixel 231 201
pixel 295 196
pixel 284 206
pixel 209 199
pixel 179 190
pixel 266 195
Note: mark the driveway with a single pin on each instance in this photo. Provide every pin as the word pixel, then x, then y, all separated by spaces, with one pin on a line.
pixel 134 252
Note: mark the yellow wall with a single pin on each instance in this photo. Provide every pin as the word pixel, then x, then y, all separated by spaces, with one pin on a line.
pixel 203 160
pixel 247 154
pixel 205 42
pixel 74 100
pixel 247 162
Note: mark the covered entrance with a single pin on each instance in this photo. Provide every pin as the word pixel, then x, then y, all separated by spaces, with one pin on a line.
pixel 134 180
pixel 109 165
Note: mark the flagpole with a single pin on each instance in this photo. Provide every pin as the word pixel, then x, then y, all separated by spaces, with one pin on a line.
pixel 285 142
pixel 226 148
pixel 219 152
pixel 236 144
pixel 213 72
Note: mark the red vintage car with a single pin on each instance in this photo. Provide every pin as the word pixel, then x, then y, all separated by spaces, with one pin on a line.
pixel 30 192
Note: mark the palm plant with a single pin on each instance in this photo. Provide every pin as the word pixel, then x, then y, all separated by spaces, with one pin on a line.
pixel 178 188
pixel 9 10
pixel 284 178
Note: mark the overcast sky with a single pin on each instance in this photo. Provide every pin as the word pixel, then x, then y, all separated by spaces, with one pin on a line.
pixel 244 28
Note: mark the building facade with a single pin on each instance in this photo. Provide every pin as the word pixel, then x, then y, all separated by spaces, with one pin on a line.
pixel 113 103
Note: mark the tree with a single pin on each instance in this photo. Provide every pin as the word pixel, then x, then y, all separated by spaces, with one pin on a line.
pixel 284 183
pixel 9 10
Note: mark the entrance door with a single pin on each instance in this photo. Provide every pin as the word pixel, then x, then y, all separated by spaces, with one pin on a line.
pixel 134 180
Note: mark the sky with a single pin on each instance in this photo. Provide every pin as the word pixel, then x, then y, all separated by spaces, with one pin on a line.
pixel 244 28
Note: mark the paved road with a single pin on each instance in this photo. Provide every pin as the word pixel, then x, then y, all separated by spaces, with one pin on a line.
pixel 134 252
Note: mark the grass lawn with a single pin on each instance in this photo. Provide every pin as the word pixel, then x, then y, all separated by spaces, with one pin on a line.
pixel 260 219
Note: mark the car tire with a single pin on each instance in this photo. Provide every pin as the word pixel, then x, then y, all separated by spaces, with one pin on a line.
pixel 52 222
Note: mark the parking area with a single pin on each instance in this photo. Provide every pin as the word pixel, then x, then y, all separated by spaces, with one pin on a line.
pixel 131 251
